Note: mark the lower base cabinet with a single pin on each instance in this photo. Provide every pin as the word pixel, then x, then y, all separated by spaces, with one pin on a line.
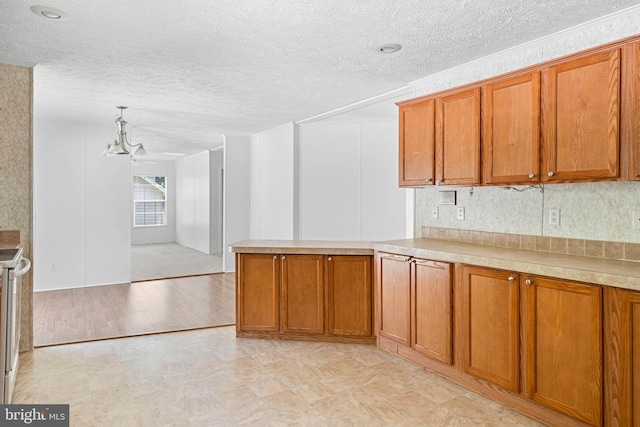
pixel 414 305
pixel 533 343
pixel 563 347
pixel 300 296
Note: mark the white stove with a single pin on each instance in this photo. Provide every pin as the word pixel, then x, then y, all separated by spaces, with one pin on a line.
pixel 12 267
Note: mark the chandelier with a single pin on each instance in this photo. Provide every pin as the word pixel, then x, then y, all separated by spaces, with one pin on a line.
pixel 119 145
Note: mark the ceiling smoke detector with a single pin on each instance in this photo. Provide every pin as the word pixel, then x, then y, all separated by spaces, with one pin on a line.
pixel 388 48
pixel 49 13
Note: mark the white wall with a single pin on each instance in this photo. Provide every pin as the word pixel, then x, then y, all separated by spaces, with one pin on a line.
pixel 348 181
pixel 82 218
pixel 272 183
pixel 593 211
pixel 199 201
pixel 163 233
pixel 237 164
pixel 217 195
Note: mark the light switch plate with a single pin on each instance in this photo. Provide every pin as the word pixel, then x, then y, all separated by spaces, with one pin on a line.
pixel 434 212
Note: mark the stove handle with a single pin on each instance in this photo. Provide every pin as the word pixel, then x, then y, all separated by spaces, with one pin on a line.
pixel 21 271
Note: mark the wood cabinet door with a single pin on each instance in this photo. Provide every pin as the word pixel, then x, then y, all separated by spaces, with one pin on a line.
pixel 628 366
pixel 490 325
pixel 349 289
pixel 394 298
pixel 417 144
pixel 431 290
pixel 564 347
pixel 258 293
pixel 303 294
pixel 511 130
pixel 458 138
pixel 630 111
pixel 581 115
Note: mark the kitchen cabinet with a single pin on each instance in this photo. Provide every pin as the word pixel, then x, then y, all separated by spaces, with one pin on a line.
pixel 490 325
pixel 304 296
pixel 624 356
pixel 415 304
pixel 417 143
pixel 581 116
pixel 394 298
pixel 630 109
pixel 258 292
pixel 431 309
pixel 563 346
pixel 511 130
pixel 349 294
pixel 458 138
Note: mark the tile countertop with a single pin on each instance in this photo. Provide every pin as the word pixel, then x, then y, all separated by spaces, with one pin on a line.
pixel 309 247
pixel 621 274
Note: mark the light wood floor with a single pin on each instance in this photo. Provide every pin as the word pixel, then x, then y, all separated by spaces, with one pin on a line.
pixel 163 260
pixel 207 377
pixel 100 312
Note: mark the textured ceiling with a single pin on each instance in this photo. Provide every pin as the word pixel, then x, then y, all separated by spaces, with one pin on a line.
pixel 192 70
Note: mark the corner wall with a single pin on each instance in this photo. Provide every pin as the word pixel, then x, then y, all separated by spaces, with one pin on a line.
pixel 16 197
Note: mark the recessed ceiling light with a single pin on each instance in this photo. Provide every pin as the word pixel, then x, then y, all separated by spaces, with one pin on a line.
pixel 49 13
pixel 388 48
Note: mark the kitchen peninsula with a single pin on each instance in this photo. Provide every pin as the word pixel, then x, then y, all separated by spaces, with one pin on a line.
pixel 554 336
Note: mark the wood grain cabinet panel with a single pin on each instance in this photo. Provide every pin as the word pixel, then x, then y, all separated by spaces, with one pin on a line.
pixel 417 143
pixel 564 347
pixel 349 295
pixel 624 370
pixel 303 294
pixel 432 314
pixel 258 293
pixel 581 118
pixel 458 138
pixel 511 130
pixel 630 110
pixel 394 298
pixel 490 303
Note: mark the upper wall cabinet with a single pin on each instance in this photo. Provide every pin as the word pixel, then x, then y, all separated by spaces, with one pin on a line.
pixel 417 144
pixel 630 123
pixel 511 130
pixel 458 138
pixel 581 116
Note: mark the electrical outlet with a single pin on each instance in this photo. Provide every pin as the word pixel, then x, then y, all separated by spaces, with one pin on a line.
pixel 434 212
pixel 636 220
pixel 53 267
pixel 554 216
pixel 460 213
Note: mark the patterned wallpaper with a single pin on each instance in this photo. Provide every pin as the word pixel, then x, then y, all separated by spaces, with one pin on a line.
pixel 600 211
pixel 16 200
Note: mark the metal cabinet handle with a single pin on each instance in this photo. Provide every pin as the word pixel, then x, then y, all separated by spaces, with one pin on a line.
pixel 550 174
pixel 329 259
pixel 428 179
pixel 527 282
pixel 275 257
pixel 438 181
pixel 532 175
pixel 284 257
pixel 511 278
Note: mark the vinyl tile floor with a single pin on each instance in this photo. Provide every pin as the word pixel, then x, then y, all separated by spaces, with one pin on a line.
pixel 208 377
pixel 99 312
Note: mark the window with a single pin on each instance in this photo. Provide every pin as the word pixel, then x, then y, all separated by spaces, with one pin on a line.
pixel 149 200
